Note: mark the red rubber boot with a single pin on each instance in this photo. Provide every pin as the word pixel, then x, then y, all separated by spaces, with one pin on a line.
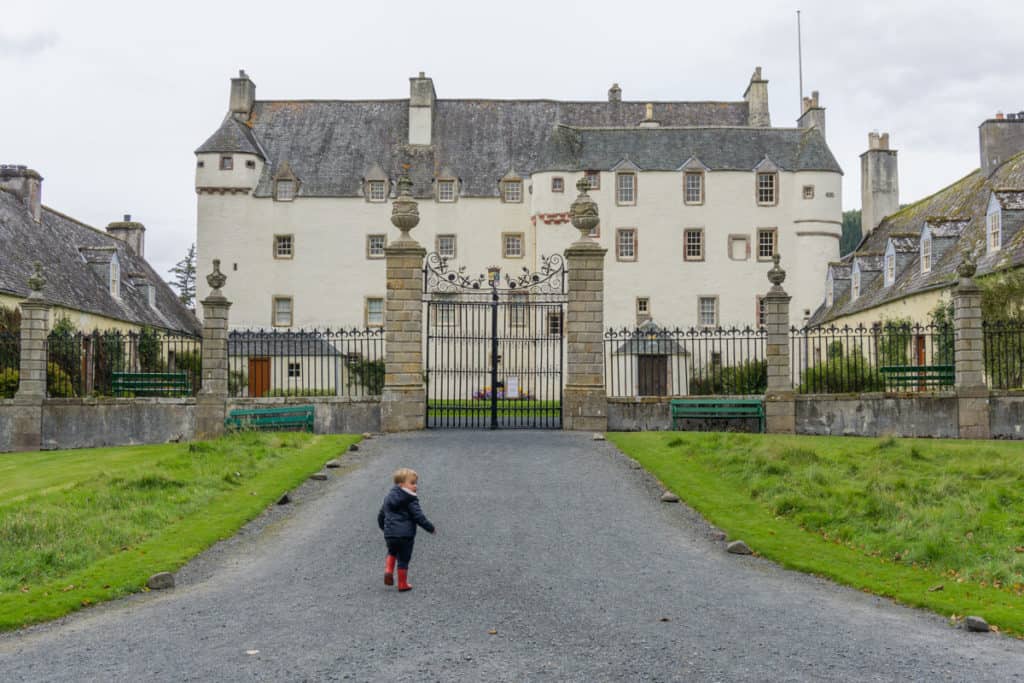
pixel 403 580
pixel 389 570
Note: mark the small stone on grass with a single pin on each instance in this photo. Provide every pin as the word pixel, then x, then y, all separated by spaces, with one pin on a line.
pixel 160 581
pixel 354 447
pixel 319 476
pixel 738 548
pixel 634 465
pixel 284 500
pixel 976 624
pixel 669 497
pixel 333 464
pixel 598 437
pixel 367 435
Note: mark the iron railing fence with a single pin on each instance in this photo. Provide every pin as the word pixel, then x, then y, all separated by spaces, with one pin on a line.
pixel 891 356
pixel 1004 354
pixel 659 361
pixel 119 363
pixel 10 357
pixel 342 362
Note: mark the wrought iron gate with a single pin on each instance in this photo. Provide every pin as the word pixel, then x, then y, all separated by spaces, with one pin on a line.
pixel 494 346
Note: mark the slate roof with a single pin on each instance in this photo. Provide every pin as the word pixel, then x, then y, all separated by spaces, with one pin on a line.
pixel 332 145
pixel 959 209
pixel 58 242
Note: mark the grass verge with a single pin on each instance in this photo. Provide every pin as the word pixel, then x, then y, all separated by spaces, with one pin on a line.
pixel 931 523
pixel 85 526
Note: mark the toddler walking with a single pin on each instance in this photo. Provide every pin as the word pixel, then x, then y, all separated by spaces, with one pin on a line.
pixel 398 518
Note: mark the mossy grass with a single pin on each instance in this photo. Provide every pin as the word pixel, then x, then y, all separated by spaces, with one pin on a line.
pixel 80 527
pixel 937 524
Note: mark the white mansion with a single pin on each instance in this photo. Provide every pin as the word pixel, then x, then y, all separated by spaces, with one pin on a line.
pixel 695 198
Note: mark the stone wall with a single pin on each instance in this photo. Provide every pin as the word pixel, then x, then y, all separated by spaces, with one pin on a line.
pixel 91 423
pixel 878 415
pixel 1006 415
pixel 332 415
pixel 639 415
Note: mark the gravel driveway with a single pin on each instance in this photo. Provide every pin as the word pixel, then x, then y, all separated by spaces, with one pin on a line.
pixel 549 539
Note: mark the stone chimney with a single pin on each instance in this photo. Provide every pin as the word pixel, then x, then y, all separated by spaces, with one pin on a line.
pixel 243 95
pixel 131 233
pixel 26 184
pixel 421 109
pixel 756 96
pixel 649 120
pixel 879 182
pixel 999 139
pixel 615 93
pixel 813 115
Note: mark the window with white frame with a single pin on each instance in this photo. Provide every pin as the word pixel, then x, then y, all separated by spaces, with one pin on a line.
pixel 593 179
pixel 282 311
pixel 227 162
pixel 115 277
pixel 625 188
pixel 707 311
pixel 830 296
pixel 375 245
pixel 151 296
pixel 512 191
pixel 558 184
pixel 766 243
pixel 855 285
pixel 284 190
pixel 374 312
pixel 294 370
pixel 643 306
pixel 445 246
pixel 284 246
pixel 890 269
pixel 693 187
pixel 926 254
pixel 766 183
pixel 512 245
pixel 808 191
pixel 995 231
pixel 625 244
pixel 446 190
pixel 377 191
pixel 739 247
pixel 693 244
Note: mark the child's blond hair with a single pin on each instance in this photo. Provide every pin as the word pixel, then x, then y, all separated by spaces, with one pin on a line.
pixel 404 474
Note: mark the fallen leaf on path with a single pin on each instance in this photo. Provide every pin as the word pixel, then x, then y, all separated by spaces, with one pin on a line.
pixel 493 632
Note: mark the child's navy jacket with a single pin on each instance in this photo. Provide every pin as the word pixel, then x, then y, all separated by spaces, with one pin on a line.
pixel 400 514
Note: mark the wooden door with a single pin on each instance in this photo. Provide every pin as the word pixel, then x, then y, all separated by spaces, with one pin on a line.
pixel 653 375
pixel 259 377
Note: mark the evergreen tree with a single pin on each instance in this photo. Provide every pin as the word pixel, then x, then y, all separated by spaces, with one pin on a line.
pixel 184 281
pixel 851 232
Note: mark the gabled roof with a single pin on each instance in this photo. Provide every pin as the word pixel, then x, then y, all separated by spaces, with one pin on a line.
pixel 955 211
pixel 1010 200
pixel 62 245
pixel 904 243
pixel 330 144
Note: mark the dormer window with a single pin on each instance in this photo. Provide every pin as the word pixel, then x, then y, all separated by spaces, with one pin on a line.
pixel 227 162
pixel 284 190
pixel 855 285
pixel 512 191
pixel 115 277
pixel 151 296
pixel 625 189
pixel 693 187
pixel 890 268
pixel 767 185
pixel 994 230
pixel 446 190
pixel 926 254
pixel 377 191
pixel 830 290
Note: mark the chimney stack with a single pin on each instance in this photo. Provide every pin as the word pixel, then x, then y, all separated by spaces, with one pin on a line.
pixel 756 96
pixel 131 233
pixel 243 95
pixel 615 93
pixel 999 139
pixel 421 110
pixel 813 115
pixel 879 182
pixel 26 184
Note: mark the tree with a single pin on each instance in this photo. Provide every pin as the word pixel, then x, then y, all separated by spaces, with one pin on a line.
pixel 184 281
pixel 851 232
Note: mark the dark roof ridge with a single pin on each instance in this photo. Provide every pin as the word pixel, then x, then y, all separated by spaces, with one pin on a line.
pixel 657 128
pixel 328 101
pixel 78 222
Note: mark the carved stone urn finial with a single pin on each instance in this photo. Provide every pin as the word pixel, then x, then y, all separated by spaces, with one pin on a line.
pixel 967 267
pixel 36 281
pixel 584 211
pixel 776 275
pixel 216 279
pixel 405 213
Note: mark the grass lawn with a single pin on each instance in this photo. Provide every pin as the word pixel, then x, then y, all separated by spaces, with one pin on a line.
pixel 932 523
pixel 79 527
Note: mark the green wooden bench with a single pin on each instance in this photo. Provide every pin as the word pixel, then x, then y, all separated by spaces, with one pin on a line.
pixel 909 377
pixel 718 408
pixel 274 419
pixel 150 384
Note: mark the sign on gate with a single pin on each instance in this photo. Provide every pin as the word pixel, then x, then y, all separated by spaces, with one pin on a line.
pixel 494 346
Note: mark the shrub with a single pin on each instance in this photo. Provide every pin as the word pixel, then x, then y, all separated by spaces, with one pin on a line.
pixel 368 374
pixel 750 377
pixel 58 382
pixel 8 383
pixel 841 373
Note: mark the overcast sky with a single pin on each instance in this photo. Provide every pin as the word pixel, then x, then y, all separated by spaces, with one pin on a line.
pixel 108 100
